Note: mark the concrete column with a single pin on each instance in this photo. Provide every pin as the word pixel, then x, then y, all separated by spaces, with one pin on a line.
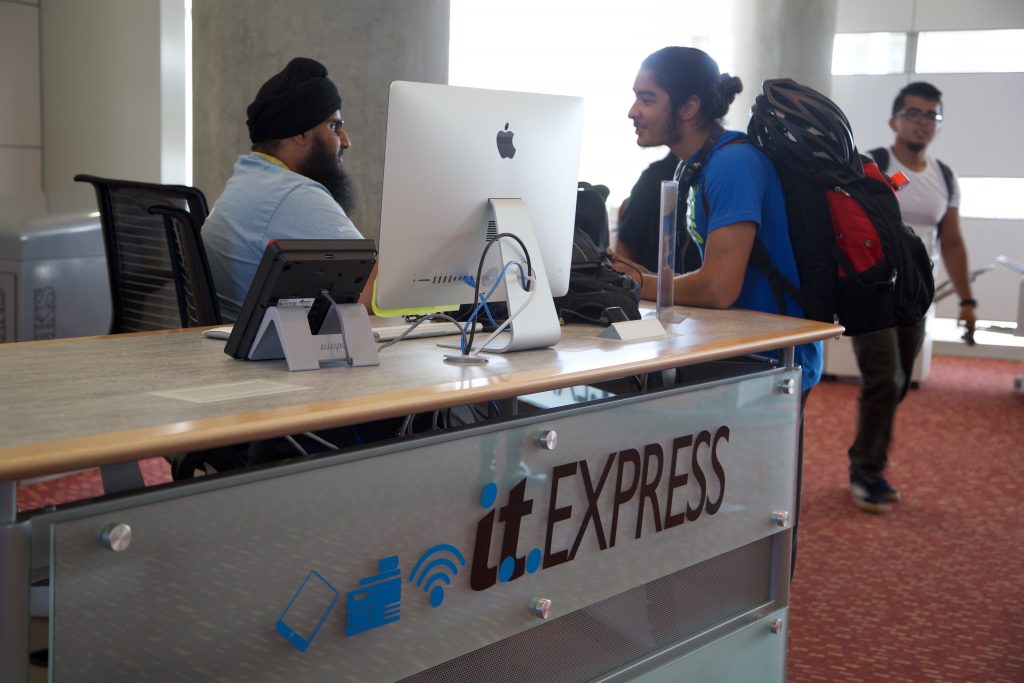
pixel 781 39
pixel 365 44
pixel 113 94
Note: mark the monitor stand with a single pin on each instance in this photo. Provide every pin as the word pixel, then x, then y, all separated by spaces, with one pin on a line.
pixel 345 335
pixel 535 326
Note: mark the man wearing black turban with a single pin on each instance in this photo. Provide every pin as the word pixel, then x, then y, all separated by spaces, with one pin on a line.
pixel 292 185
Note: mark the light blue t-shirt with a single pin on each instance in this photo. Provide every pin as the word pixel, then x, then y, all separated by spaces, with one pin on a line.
pixel 740 184
pixel 264 201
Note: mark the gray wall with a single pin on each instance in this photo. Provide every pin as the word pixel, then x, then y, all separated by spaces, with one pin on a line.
pixel 781 38
pixel 365 44
pixel 21 141
pixel 113 94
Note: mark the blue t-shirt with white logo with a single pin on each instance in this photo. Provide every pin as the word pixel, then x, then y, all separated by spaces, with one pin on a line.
pixel 739 184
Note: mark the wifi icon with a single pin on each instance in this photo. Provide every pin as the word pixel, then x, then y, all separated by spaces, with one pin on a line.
pixel 436 567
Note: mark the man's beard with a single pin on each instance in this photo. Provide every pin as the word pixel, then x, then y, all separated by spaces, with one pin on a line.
pixel 915 147
pixel 326 168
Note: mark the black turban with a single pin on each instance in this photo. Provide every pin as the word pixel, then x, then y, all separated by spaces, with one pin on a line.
pixel 292 101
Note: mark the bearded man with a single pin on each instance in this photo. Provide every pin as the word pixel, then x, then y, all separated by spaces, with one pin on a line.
pixel 291 186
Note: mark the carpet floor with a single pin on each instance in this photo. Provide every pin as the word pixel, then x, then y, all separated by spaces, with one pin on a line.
pixel 933 590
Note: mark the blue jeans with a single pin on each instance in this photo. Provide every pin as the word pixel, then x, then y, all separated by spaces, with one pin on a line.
pixel 886 362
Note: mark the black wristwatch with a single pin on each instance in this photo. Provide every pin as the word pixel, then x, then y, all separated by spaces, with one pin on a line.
pixel 968 302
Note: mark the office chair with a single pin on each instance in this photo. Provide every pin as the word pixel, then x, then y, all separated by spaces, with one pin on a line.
pixel 197 294
pixel 143 290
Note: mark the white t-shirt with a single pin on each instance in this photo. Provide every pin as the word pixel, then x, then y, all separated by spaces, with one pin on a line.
pixel 925 200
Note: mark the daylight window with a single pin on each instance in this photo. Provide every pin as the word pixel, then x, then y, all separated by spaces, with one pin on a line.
pixel 588 49
pixel 992 198
pixel 970 51
pixel 868 53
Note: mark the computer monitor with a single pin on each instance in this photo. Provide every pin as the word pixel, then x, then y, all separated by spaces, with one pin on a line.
pixel 294 274
pixel 448 151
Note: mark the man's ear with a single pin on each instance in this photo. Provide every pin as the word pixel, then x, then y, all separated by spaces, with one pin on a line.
pixel 304 140
pixel 690 109
pixel 892 124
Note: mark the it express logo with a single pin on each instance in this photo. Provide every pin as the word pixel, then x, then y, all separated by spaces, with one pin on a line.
pixel 649 481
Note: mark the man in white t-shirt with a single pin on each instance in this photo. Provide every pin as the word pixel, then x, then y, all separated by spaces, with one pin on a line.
pixel 930 205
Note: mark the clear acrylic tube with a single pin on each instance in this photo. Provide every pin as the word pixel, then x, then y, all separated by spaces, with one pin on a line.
pixel 667 250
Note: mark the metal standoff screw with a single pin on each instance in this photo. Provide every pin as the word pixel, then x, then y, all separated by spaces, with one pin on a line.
pixel 548 439
pixel 776 626
pixel 780 517
pixel 787 386
pixel 116 537
pixel 541 607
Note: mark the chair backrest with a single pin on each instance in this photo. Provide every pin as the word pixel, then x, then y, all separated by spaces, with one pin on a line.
pixel 197 294
pixel 142 285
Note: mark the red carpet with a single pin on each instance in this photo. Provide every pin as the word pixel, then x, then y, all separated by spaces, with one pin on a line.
pixel 84 484
pixel 934 590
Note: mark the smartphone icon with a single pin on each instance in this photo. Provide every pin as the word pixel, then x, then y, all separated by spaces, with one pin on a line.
pixel 307 611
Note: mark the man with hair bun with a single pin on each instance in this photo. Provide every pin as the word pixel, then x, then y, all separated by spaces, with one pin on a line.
pixel 735 195
pixel 291 186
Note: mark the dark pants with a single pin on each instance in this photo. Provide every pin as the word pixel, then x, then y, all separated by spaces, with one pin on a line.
pixel 886 362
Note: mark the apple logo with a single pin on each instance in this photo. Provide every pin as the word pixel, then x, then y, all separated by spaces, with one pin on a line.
pixel 506 150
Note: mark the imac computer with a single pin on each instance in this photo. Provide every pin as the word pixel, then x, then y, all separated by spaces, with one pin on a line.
pixel 461 167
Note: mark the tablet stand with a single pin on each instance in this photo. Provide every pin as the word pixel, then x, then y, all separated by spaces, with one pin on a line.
pixel 536 326
pixel 345 335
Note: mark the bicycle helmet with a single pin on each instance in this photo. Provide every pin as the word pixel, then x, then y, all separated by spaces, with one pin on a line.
pixel 805 130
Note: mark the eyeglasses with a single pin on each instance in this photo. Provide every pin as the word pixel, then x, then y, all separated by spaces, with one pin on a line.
pixel 336 125
pixel 916 114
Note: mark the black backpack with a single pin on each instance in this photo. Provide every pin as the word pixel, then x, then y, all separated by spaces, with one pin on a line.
pixel 859 264
pixel 595 286
pixel 592 212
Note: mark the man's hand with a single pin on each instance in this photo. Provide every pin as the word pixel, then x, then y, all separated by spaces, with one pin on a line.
pixel 969 319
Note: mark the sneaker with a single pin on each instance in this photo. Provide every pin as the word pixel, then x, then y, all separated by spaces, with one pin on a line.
pixel 866 497
pixel 882 489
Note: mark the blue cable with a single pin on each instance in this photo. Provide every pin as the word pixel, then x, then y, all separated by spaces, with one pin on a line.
pixel 485 297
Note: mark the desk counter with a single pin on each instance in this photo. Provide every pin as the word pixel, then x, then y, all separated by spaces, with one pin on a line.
pixel 77 403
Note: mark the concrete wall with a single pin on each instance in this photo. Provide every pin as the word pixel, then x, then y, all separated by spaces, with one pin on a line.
pixel 781 39
pixel 114 100
pixel 21 146
pixel 365 44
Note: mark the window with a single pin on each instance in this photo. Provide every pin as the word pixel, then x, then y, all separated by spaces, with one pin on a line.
pixel 587 49
pixel 868 53
pixel 970 51
pixel 992 198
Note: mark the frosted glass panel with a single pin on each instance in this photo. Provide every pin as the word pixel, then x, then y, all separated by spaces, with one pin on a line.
pixel 970 51
pixel 992 198
pixel 868 53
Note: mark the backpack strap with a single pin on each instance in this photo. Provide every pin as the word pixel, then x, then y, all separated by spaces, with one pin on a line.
pixel 947 176
pixel 685 174
pixel 780 284
pixel 760 258
pixel 881 157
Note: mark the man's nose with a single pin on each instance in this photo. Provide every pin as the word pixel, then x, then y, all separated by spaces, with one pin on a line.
pixel 343 137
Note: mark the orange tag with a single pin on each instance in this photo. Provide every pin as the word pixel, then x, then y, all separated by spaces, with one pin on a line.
pixel 899 180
